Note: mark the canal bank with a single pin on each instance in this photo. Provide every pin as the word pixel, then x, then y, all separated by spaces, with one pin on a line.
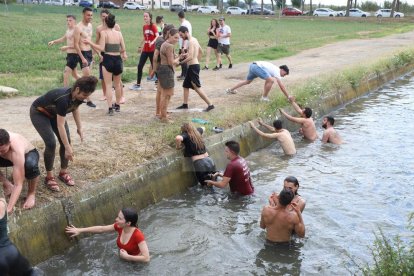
pixel 39 233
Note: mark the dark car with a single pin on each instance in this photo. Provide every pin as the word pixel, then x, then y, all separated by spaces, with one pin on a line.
pixel 177 8
pixel 291 11
pixel 259 11
pixel 85 4
pixel 108 5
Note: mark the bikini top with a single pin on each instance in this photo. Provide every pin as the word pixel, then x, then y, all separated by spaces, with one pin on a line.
pixel 112 48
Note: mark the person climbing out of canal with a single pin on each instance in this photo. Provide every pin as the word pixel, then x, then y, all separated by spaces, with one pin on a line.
pixel 283 219
pixel 194 147
pixel 290 183
pixel 308 129
pixel 11 261
pixel 237 173
pixel 131 241
pixel 48 116
pixel 330 135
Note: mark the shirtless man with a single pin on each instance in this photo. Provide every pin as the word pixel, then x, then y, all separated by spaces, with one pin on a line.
pixel 329 134
pixel 278 133
pixel 282 220
pixel 192 78
pixel 17 152
pixel 84 30
pixel 72 57
pixel 99 29
pixel 308 128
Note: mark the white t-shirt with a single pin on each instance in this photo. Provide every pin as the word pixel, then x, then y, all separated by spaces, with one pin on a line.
pixel 224 31
pixel 187 24
pixel 272 69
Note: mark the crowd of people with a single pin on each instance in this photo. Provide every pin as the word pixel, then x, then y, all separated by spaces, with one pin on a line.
pixel 281 218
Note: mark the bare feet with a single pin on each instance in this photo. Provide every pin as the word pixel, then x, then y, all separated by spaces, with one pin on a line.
pixel 7 187
pixel 30 202
pixel 103 98
pixel 166 121
pixel 122 100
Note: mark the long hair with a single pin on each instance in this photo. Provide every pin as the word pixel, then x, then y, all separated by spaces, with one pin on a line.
pixel 194 135
pixel 150 16
pixel 217 24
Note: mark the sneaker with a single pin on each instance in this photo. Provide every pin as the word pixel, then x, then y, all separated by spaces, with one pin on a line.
pixel 264 99
pixel 230 66
pixel 216 68
pixel 117 107
pixel 91 104
pixel 210 107
pixel 229 91
pixel 110 111
pixel 217 129
pixel 136 87
pixel 154 78
pixel 205 67
pixel 183 106
pixel 221 66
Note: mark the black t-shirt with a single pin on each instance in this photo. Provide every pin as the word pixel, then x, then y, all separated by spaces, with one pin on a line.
pixel 190 147
pixel 58 101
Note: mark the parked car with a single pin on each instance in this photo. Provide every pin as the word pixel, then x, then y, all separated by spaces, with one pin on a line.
pixel 133 6
pixel 387 13
pixel 236 10
pixel 357 13
pixel 207 9
pixel 85 3
pixel 177 8
pixel 325 12
pixel 259 11
pixel 108 5
pixel 291 12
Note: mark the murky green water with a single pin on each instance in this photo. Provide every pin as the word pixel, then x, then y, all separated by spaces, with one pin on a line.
pixel 351 190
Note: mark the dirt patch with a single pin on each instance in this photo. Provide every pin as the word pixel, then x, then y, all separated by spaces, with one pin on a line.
pixel 119 143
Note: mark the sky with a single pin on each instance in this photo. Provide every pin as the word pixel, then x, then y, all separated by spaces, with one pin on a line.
pixel 343 2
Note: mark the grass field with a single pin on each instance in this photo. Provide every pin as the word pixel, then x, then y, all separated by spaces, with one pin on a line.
pixel 28 64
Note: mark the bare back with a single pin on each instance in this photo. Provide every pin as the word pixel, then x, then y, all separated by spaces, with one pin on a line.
pixel 331 136
pixel 309 129
pixel 279 223
pixel 18 145
pixel 286 142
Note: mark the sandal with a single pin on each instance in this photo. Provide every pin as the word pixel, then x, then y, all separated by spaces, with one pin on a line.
pixel 67 179
pixel 51 184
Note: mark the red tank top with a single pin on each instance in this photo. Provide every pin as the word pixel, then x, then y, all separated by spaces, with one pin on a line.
pixel 149 32
pixel 132 245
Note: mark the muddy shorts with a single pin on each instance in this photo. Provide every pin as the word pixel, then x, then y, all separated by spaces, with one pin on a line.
pixel 192 76
pixel 31 164
pixel 223 49
pixel 113 64
pixel 204 168
pixel 166 76
pixel 89 57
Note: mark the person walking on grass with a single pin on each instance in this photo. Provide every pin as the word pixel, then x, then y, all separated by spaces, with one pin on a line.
pixel 72 57
pixel 223 34
pixel 48 116
pixel 192 78
pixel 212 42
pixel 268 72
pixel 146 48
pixel 183 45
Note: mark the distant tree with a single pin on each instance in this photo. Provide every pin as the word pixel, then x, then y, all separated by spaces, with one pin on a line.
pixel 310 8
pixel 394 3
pixel 193 2
pixel 233 2
pixel 387 4
pixel 280 3
pixel 296 3
pixel 273 5
pixel 348 6
pixel 369 6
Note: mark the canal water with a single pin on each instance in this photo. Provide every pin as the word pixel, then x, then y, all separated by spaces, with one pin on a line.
pixel 351 191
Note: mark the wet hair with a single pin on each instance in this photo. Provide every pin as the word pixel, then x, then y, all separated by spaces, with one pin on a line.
pixel 284 68
pixel 233 146
pixel 105 11
pixel 86 84
pixel 4 137
pixel 215 20
pixel 173 31
pixel 150 16
pixel 158 19
pixel 130 215
pixel 277 124
pixel 194 135
pixel 86 9
pixel 166 30
pixel 307 112
pixel 330 119
pixel 181 14
pixel 110 21
pixel 294 180
pixel 71 16
pixel 183 29
pixel 285 197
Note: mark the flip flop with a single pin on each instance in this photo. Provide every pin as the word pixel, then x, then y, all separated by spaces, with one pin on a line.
pixel 51 184
pixel 67 179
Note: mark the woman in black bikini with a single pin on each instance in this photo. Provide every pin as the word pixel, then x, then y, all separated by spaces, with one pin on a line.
pixel 212 42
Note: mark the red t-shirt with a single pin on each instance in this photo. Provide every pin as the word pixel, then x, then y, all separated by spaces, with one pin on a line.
pixel 239 175
pixel 132 245
pixel 149 35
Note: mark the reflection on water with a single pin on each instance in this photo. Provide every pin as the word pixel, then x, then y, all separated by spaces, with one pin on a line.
pixel 351 190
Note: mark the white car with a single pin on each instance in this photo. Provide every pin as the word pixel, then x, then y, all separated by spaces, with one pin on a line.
pixel 134 6
pixel 387 13
pixel 207 9
pixel 357 13
pixel 235 10
pixel 325 12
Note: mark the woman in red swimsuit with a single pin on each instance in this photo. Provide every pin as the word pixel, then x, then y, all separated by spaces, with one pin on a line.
pixel 130 241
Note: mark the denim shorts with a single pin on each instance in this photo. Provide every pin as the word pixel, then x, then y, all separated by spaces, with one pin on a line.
pixel 257 72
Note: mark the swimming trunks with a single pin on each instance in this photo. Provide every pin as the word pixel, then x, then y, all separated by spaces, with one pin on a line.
pixel 113 64
pixel 31 164
pixel 88 56
pixel 72 60
pixel 192 76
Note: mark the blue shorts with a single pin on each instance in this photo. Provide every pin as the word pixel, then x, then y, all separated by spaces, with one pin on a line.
pixel 257 72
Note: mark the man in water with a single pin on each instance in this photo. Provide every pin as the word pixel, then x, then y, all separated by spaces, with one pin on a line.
pixel 278 133
pixel 282 220
pixel 237 174
pixel 329 134
pixel 17 152
pixel 308 128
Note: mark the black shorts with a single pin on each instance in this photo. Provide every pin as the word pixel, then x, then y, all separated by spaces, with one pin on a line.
pixel 72 60
pixel 113 64
pixel 212 43
pixel 89 57
pixel 204 168
pixel 31 164
pixel 192 76
pixel 223 49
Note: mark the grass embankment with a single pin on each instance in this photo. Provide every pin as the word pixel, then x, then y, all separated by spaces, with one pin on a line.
pixel 29 65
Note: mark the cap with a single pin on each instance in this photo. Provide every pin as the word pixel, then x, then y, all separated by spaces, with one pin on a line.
pixel 222 18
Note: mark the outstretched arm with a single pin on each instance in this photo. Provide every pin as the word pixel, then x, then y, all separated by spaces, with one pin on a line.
pixel 18 179
pixel 297 107
pixel 59 40
pixel 269 127
pixel 261 133
pixel 72 231
pixel 283 88
pixel 220 184
pixel 291 118
pixel 300 225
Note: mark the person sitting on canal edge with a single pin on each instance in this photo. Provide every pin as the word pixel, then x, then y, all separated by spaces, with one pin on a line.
pixel 237 173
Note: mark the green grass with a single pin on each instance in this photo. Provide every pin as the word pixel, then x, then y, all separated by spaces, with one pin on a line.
pixel 28 64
